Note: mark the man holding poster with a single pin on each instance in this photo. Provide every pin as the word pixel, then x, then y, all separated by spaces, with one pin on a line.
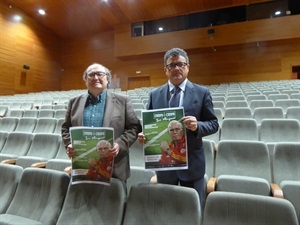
pixel 199 119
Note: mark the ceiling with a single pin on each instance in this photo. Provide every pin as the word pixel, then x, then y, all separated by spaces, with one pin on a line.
pixel 73 18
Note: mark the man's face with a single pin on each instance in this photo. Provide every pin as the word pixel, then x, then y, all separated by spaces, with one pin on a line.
pixel 176 69
pixel 175 131
pixel 102 149
pixel 96 80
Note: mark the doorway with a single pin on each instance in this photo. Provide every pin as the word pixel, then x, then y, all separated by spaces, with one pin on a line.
pixel 296 72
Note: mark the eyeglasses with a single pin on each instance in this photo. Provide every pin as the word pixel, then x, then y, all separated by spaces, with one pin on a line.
pixel 172 66
pixel 98 74
pixel 175 129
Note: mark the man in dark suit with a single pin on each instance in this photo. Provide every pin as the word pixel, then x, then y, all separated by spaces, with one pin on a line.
pixel 102 108
pixel 199 119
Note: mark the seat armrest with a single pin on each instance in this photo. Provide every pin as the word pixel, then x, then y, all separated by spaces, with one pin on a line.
pixel 211 185
pixel 68 170
pixel 153 179
pixel 276 191
pixel 39 164
pixel 9 161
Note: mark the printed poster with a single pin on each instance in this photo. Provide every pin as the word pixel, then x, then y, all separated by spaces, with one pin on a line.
pixel 92 163
pixel 165 147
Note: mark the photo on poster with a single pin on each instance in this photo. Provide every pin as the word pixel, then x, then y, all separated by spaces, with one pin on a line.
pixel 92 162
pixel 165 147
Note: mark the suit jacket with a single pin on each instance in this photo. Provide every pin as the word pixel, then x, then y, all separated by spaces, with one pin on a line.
pixel 197 102
pixel 119 114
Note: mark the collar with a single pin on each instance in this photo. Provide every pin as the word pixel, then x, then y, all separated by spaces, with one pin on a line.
pixel 182 85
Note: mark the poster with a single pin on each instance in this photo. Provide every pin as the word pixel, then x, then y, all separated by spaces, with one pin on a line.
pixel 91 162
pixel 165 147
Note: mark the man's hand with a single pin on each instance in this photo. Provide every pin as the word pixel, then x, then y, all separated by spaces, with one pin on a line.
pixel 190 122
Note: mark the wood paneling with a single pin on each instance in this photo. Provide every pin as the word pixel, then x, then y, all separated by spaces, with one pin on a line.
pixel 228 34
pixel 58 64
pixel 27 42
pixel 75 18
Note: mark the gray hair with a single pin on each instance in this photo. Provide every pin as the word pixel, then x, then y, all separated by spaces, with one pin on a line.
pixel 175 121
pixel 175 52
pixel 107 72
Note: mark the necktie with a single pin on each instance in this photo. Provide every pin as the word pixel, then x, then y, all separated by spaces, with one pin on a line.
pixel 174 101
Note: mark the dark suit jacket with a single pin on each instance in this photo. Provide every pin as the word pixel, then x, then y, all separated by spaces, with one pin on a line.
pixel 119 114
pixel 196 102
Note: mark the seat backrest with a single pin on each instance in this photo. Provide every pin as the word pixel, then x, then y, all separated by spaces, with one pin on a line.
pixel 239 129
pixel 236 103
pixel 27 105
pixel 10 176
pixel 9 124
pixel 163 204
pixel 3 137
pixel 17 144
pixel 138 175
pixel 88 203
pixel 43 147
pixel 285 103
pixel 26 124
pixel 286 161
pixel 293 113
pixel 291 191
pixel 255 97
pixel 260 103
pixel 279 130
pixel 239 208
pixel 250 157
pixel 60 113
pixel 16 113
pixel 209 152
pixel 58 126
pixel 45 125
pixel 295 96
pixel 275 97
pixel 39 197
pixel 31 113
pixel 267 113
pixel 238 112
pixel 46 113
pixel 3 110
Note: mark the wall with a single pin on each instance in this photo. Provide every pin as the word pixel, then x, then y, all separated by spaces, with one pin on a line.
pixel 249 51
pixel 27 42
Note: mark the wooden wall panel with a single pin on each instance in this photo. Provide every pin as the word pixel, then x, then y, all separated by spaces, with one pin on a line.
pixel 27 42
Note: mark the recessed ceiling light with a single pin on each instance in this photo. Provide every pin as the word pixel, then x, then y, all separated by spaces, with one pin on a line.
pixel 277 13
pixel 42 12
pixel 17 18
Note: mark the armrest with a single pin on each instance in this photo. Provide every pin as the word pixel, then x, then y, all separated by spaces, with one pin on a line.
pixel 276 191
pixel 211 185
pixel 39 164
pixel 68 170
pixel 153 179
pixel 9 161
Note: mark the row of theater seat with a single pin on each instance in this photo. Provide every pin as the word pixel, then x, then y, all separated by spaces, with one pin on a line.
pixel 41 113
pixel 31 125
pixel 269 130
pixel 28 149
pixel 42 196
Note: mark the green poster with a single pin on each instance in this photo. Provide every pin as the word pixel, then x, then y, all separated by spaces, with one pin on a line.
pixel 92 162
pixel 165 147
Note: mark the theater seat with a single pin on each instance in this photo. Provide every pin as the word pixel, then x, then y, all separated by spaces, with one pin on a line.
pixel 38 198
pixel 239 208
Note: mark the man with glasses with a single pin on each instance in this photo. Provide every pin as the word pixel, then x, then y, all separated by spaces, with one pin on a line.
pixel 199 119
pixel 102 108
pixel 175 151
